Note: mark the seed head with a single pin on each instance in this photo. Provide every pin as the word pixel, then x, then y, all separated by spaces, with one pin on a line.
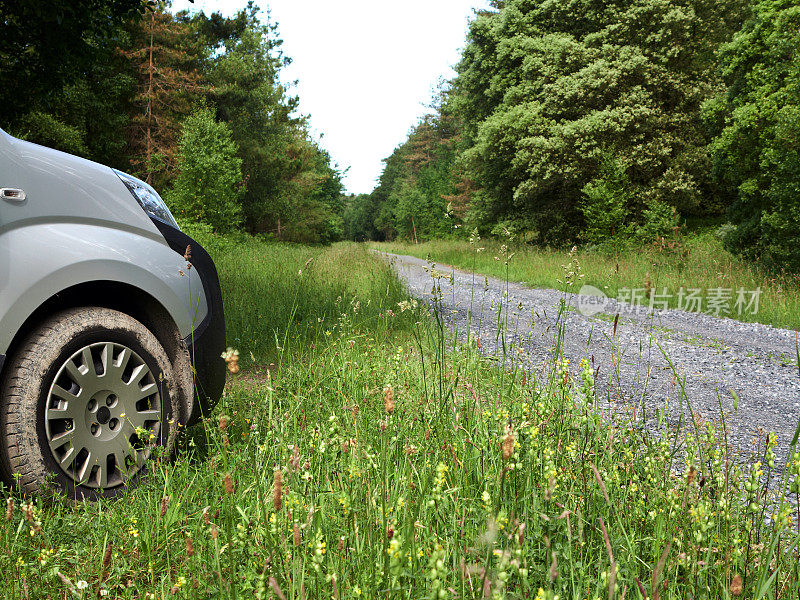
pixel 228 483
pixel 691 475
pixel 736 585
pixel 27 511
pixel 388 399
pixel 383 425
pixel 189 546
pixel 206 519
pixel 277 490
pixel 294 461
pixel 164 505
pixel 9 509
pixel 107 556
pixel 508 445
pixel 214 531
pixel 223 422
pixel 231 357
pixel 296 531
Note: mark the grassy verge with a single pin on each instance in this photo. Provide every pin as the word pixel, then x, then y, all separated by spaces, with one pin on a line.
pixel 378 463
pixel 282 298
pixel 698 263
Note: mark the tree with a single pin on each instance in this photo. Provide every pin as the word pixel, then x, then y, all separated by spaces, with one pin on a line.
pixel 757 151
pixel 165 61
pixel 47 45
pixel 208 188
pixel 548 89
pixel 292 189
pixel 416 191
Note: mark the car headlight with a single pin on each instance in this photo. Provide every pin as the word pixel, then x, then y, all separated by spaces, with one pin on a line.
pixel 147 198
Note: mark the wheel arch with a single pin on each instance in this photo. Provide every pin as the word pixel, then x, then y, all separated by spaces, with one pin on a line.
pixel 125 298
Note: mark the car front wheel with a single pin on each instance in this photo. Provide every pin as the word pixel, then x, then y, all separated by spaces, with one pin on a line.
pixel 87 401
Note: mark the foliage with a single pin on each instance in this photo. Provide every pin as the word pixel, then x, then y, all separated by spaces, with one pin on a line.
pixel 80 106
pixel 46 45
pixel 607 202
pixel 547 90
pixel 757 154
pixel 119 87
pixel 686 260
pixel 165 66
pixel 417 195
pixel 208 188
pixel 292 189
pixel 374 462
pixel 659 221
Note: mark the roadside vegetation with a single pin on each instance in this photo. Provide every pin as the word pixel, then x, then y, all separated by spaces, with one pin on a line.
pixel 697 262
pixel 379 458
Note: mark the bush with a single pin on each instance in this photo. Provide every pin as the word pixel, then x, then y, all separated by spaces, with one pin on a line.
pixel 209 186
pixel 659 221
pixel 605 208
pixel 757 154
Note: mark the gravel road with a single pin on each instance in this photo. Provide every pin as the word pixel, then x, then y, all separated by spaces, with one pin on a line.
pixel 716 355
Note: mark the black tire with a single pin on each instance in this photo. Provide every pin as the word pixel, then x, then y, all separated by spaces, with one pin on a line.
pixel 65 399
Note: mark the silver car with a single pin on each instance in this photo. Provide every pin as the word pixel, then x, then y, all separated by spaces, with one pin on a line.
pixel 111 325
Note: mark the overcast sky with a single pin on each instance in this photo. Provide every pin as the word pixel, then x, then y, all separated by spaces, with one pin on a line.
pixel 365 68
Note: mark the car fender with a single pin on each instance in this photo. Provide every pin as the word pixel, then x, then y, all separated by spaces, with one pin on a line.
pixel 43 259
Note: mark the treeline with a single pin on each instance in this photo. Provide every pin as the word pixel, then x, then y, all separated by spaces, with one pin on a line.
pixel 601 122
pixel 191 103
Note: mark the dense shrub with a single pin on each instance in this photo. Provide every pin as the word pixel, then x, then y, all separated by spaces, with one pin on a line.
pixel 208 188
pixel 757 154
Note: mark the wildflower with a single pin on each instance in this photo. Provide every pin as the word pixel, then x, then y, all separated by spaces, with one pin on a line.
pixel 231 357
pixel 691 474
pixel 81 585
pixel 214 531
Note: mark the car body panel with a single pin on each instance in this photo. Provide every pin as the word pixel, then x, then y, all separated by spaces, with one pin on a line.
pixel 78 224
pixel 78 253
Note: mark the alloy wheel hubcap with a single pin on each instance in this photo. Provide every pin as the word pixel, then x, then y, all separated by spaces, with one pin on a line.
pixel 103 415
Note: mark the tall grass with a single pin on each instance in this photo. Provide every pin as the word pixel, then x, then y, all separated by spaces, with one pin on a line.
pixel 381 463
pixel 281 298
pixel 697 262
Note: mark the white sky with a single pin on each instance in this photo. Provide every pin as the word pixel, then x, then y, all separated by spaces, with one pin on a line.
pixel 365 68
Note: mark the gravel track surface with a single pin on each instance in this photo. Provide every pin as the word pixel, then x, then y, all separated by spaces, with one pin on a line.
pixel 715 355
